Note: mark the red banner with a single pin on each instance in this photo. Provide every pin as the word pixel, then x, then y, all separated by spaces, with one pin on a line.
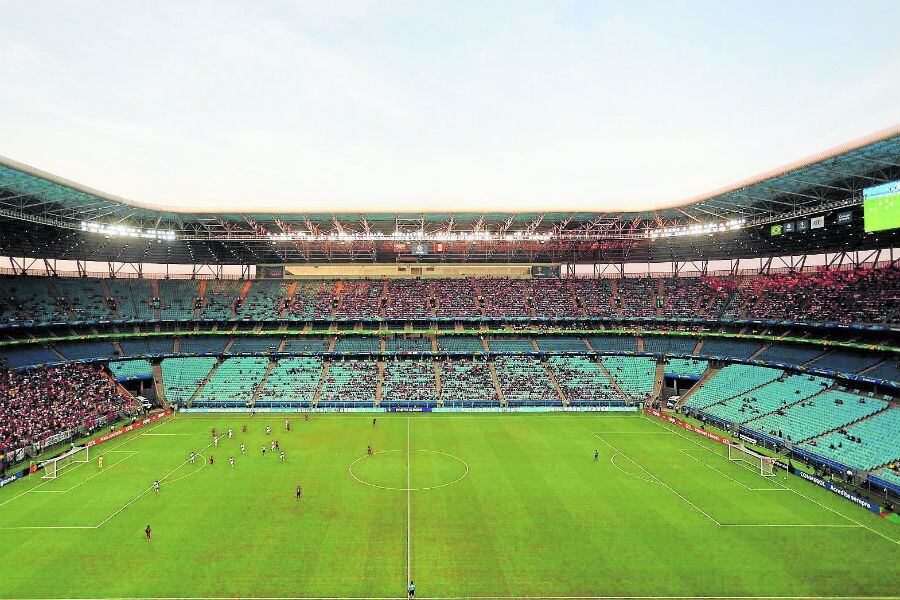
pixel 123 430
pixel 688 426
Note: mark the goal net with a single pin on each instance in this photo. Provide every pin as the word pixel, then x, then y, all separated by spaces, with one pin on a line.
pixel 741 454
pixel 54 466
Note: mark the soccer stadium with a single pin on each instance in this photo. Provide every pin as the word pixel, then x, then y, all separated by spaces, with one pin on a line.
pixel 696 400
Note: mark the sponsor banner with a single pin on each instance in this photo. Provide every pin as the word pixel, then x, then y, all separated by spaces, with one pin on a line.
pixel 688 426
pixel 442 409
pixel 817 222
pixel 836 489
pixel 844 217
pixel 56 438
pixel 9 479
pixel 130 427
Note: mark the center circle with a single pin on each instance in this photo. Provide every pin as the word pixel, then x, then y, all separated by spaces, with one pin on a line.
pixel 416 471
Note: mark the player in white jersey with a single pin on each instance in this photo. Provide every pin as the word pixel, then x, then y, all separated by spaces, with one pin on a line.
pixel 268 430
pixel 216 441
pixel 156 486
pixel 282 456
pixel 231 460
pixel 192 458
pixel 230 433
pixel 273 445
pixel 242 447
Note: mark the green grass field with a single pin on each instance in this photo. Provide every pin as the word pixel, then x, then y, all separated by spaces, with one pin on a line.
pixel 470 506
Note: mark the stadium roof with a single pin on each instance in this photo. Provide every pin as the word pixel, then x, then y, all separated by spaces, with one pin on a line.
pixel 825 181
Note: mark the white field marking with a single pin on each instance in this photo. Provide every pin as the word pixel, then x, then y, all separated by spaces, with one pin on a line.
pixel 612 459
pixel 663 483
pixel 854 521
pixel 409 508
pixel 687 453
pixel 169 434
pixel 467 598
pixel 113 449
pixel 164 477
pixel 105 469
pixel 416 489
pixel 839 525
pixel 203 464
pixel 634 433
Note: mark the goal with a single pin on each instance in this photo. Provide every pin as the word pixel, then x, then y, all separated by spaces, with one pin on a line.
pixel 740 453
pixel 54 466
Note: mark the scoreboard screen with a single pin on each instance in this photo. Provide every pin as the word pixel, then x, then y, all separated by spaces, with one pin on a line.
pixel 881 207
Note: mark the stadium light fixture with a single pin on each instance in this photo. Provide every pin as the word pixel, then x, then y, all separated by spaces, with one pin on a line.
pixel 697 229
pixel 125 231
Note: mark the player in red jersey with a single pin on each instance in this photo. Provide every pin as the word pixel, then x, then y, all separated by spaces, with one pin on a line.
pixel 147 532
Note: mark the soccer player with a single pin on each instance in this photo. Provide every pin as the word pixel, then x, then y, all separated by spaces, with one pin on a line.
pixel 147 532
pixel 211 461
pixel 243 428
pixel 156 486
pixel 231 461
pixel 191 458
pixel 369 450
pixel 242 447
pixel 216 441
pixel 100 462
pixel 277 445
pixel 373 423
pixel 282 456
pixel 299 491
pixel 268 430
pixel 264 449
pixel 230 433
pixel 273 445
pixel 306 417
pixel 287 425
pixel 596 455
pixel 411 590
pixel 214 432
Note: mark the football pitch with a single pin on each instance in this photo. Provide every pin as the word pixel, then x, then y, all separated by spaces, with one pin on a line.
pixel 466 505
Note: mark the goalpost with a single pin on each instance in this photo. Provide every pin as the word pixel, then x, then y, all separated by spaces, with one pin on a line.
pixel 740 453
pixel 52 467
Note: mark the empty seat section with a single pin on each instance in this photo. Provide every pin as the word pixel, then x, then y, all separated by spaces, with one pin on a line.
pixel 234 382
pixel 689 368
pixel 357 343
pixel 86 350
pixel 198 344
pixel 634 375
pixel 254 344
pixel 844 361
pixel 182 376
pixel 146 346
pixel 264 300
pixel 177 299
pixel 292 380
pixel 779 394
pixel 307 344
pixel 561 344
pixel 889 369
pixel 669 344
pixel 733 348
pixel 219 298
pixel 816 415
pixel 865 445
pixel 407 344
pixel 791 355
pixel 730 381
pixel 124 370
pixel 500 344
pixel 26 356
pixel 582 381
pixel 460 343
pixel 613 343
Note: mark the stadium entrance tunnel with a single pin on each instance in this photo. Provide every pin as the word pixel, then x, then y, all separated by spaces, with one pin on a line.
pixel 413 470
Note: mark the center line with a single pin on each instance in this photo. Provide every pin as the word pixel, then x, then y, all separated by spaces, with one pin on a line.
pixel 408 511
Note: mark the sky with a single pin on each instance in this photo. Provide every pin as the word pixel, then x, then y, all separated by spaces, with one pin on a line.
pixel 478 106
